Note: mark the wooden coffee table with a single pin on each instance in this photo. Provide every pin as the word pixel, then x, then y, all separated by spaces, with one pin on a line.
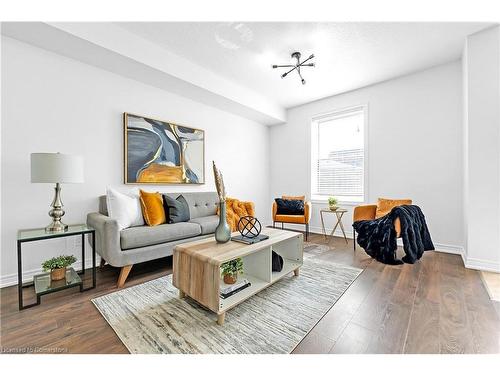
pixel 196 267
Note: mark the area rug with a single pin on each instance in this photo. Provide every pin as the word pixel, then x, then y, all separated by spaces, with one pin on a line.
pixel 150 318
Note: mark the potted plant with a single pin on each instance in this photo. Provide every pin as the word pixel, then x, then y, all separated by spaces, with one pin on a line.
pixel 332 203
pixel 231 269
pixel 57 266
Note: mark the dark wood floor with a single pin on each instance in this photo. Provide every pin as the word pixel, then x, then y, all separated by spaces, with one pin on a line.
pixel 433 306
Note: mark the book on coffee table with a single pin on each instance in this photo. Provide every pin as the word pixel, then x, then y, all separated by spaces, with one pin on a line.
pixel 235 288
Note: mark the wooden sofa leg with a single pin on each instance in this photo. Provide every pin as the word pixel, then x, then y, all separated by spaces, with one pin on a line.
pixel 103 262
pixel 123 275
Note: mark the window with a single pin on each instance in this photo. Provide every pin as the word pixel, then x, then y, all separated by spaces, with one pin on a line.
pixel 338 155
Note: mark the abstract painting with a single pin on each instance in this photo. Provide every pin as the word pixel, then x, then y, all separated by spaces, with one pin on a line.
pixel 158 152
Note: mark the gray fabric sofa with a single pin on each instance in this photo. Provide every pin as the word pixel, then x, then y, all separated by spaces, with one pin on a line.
pixel 140 244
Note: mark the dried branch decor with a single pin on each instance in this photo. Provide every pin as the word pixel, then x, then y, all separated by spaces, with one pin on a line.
pixel 219 184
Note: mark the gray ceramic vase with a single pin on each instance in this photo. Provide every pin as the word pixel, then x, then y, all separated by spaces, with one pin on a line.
pixel 222 232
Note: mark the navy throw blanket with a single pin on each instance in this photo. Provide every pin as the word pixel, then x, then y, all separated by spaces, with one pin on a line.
pixel 378 237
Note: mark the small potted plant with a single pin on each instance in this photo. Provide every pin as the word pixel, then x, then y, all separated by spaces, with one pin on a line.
pixel 231 269
pixel 57 266
pixel 332 203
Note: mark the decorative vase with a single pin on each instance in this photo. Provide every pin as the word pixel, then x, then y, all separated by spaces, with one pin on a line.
pixel 334 208
pixel 58 274
pixel 222 232
pixel 230 278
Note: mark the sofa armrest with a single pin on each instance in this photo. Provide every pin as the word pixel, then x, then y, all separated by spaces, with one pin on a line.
pixel 107 239
pixel 364 212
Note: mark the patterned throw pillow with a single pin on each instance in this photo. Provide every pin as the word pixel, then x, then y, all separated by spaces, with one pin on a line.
pixel 289 206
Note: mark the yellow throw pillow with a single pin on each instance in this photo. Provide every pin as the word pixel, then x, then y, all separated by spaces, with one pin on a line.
pixel 384 206
pixel 152 208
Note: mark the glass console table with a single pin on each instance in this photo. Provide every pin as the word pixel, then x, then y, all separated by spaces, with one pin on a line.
pixel 42 282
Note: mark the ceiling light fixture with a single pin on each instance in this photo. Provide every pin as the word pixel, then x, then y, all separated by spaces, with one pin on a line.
pixel 297 66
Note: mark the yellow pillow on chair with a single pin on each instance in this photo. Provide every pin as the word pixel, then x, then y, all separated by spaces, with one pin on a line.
pixel 152 208
pixel 384 206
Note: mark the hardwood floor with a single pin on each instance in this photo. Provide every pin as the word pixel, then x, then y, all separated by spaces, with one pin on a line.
pixel 433 306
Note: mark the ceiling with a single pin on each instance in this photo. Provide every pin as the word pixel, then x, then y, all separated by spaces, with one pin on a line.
pixel 348 55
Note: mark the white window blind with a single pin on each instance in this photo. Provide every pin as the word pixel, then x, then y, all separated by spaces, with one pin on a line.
pixel 338 153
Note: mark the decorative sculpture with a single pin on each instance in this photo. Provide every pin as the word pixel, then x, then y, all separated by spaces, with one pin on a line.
pixel 249 226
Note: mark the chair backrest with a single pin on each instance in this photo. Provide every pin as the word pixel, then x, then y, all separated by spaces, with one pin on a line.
pixel 384 206
pixel 294 197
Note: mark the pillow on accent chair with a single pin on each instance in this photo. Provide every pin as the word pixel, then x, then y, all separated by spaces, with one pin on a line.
pixel 124 208
pixel 152 208
pixel 289 206
pixel 384 206
pixel 177 209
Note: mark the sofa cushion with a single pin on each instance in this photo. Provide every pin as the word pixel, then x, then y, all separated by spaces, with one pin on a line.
pixel 298 219
pixel 132 238
pixel 207 223
pixel 152 208
pixel 202 203
pixel 125 209
pixel 177 209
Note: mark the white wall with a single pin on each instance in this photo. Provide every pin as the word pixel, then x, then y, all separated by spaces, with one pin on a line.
pixel 414 146
pixel 482 149
pixel 52 103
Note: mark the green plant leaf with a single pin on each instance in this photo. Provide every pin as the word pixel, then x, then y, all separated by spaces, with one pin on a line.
pixel 58 262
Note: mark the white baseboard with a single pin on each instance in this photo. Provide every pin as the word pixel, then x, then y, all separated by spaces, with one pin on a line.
pixel 449 249
pixel 482 265
pixel 8 280
pixel 491 287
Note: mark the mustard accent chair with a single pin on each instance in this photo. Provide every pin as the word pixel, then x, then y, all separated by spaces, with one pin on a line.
pixel 293 219
pixel 374 211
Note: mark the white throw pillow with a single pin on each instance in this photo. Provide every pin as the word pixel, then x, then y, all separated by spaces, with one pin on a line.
pixel 125 209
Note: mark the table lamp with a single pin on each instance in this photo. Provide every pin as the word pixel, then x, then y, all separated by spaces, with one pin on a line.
pixel 56 168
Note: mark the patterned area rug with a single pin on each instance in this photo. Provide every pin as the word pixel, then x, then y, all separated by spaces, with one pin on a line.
pixel 150 318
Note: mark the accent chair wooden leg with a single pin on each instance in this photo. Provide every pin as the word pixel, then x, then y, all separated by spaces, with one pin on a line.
pixel 354 239
pixel 282 225
pixel 103 262
pixel 274 224
pixel 296 272
pixel 220 318
pixel 123 275
pixel 181 294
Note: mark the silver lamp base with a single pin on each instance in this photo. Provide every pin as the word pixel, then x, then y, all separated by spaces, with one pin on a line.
pixel 56 226
pixel 56 213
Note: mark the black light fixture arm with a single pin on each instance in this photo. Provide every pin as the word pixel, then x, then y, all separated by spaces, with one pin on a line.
pixel 297 66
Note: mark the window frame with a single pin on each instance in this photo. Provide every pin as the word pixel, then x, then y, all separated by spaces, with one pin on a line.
pixel 337 113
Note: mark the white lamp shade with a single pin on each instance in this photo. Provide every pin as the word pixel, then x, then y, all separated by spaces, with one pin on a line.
pixel 62 168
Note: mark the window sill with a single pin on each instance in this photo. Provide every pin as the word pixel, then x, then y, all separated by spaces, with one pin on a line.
pixel 317 202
